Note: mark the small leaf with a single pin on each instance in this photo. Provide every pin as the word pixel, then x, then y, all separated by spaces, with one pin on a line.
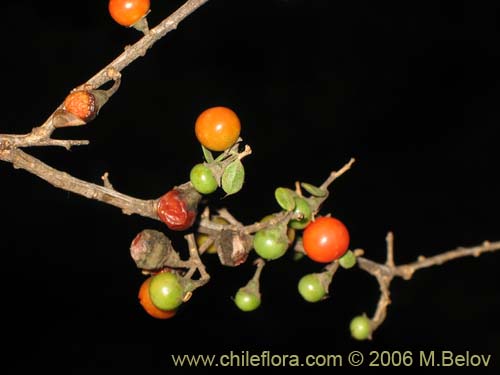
pixel 222 156
pixel 285 198
pixel 207 154
pixel 233 177
pixel 313 190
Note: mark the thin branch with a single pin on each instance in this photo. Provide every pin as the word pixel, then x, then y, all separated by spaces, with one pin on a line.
pixel 106 182
pixel 62 180
pixel 276 219
pixel 195 264
pixel 384 280
pixel 140 48
pixel 390 249
pixel 41 135
pixel 336 174
pixel 385 273
pixel 316 202
pixel 225 214
pixel 406 271
pixel 8 141
pixel 202 249
pixel 246 151
pixel 381 310
pixel 284 215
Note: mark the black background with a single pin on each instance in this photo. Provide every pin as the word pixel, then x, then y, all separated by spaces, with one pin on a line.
pixel 408 89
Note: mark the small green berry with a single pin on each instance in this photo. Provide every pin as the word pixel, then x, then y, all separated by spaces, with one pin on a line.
pixel 203 179
pixel 360 327
pixel 166 291
pixel 270 243
pixel 246 300
pixel 348 260
pixel 311 288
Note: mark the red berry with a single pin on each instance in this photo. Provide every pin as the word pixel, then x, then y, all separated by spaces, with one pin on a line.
pixel 325 239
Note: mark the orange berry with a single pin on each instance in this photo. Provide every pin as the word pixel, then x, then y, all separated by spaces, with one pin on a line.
pixel 128 12
pixel 217 128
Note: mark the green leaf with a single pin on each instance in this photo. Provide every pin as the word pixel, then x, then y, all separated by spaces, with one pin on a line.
pixel 226 154
pixel 285 198
pixel 207 154
pixel 313 190
pixel 221 156
pixel 233 177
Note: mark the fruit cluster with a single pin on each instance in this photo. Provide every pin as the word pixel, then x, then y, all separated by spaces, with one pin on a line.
pixel 165 288
pixel 322 239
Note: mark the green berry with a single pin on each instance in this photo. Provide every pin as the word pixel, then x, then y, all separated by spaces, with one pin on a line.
pixel 166 291
pixel 301 208
pixel 360 327
pixel 203 179
pixel 348 260
pixel 246 300
pixel 311 288
pixel 270 243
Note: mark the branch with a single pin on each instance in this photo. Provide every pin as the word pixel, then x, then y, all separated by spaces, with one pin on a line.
pixel 8 141
pixel 195 265
pixel 62 180
pixel 41 135
pixel 140 48
pixel 406 271
pixel 315 202
pixel 336 174
pixel 277 218
pixel 386 272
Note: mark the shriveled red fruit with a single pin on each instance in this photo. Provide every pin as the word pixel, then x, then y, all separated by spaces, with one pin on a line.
pixel 178 207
